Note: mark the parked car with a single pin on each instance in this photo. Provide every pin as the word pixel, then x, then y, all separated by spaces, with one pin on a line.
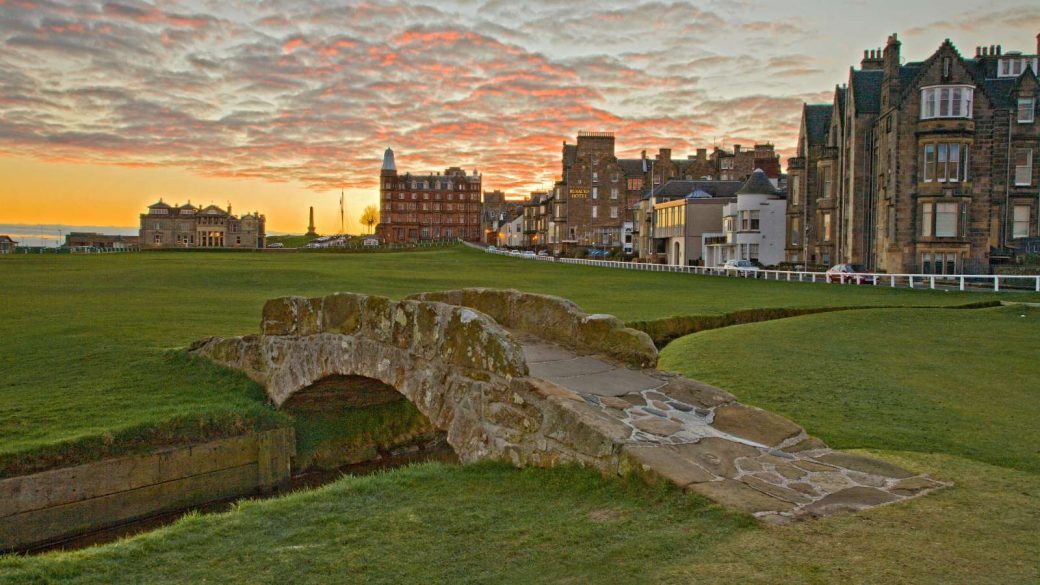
pixel 741 267
pixel 491 249
pixel 542 253
pixel 514 252
pixel 276 245
pixel 850 273
pixel 529 254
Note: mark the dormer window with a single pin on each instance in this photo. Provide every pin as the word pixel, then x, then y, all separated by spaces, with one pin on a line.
pixel 1014 66
pixel 160 211
pixel 946 101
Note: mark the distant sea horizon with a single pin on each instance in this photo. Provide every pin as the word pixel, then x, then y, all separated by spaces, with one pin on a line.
pixel 53 234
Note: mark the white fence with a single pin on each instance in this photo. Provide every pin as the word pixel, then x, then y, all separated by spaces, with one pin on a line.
pixel 994 282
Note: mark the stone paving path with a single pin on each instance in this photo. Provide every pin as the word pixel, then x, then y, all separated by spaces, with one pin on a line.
pixel 703 440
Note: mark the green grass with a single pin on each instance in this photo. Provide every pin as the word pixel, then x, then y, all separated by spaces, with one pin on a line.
pixel 85 340
pixel 965 383
pixel 950 393
pixel 426 524
pixel 290 241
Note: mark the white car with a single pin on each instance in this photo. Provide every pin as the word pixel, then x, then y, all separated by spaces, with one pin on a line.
pixel 529 254
pixel 741 267
pixel 514 252
pixel 491 249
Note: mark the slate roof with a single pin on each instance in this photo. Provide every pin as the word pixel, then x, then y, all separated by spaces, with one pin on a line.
pixel 817 122
pixel 570 154
pixel 631 166
pixel 866 90
pixel 683 189
pixel 758 184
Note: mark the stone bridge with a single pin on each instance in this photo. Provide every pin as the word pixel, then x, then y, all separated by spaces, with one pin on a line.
pixel 533 380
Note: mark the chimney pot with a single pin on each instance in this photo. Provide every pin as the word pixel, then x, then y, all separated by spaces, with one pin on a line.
pixel 1000 50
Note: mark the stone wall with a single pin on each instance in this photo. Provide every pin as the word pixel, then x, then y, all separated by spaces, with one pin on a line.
pixel 555 319
pixel 460 368
pixel 55 504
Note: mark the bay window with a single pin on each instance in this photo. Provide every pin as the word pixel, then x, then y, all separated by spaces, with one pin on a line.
pixel 940 220
pixel 948 101
pixel 945 162
pixel 946 220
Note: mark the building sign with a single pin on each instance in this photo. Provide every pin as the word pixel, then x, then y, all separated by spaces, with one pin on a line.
pixel 579 192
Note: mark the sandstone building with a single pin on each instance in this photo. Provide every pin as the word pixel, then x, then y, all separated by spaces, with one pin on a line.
pixel 595 202
pixel 188 226
pixel 922 167
pixel 428 207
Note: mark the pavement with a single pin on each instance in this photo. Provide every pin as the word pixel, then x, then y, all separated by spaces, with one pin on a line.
pixel 703 440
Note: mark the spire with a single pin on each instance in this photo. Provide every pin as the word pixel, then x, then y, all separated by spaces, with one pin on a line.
pixel 388 161
pixel 310 227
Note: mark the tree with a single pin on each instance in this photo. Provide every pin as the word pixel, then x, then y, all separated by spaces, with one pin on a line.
pixel 370 217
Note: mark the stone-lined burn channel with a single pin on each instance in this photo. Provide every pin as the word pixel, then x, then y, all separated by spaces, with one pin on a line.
pixel 343 426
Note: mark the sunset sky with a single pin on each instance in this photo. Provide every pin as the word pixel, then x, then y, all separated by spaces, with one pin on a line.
pixel 278 105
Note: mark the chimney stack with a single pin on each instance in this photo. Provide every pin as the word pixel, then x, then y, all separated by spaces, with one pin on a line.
pixel 702 154
pixel 871 60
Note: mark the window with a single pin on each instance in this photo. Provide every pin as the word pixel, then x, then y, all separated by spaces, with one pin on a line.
pixel 754 220
pixel 946 102
pixel 795 229
pixel 595 192
pixel 1020 227
pixel 795 184
pixel 635 184
pixel 753 252
pixel 595 211
pixel 613 212
pixel 1026 108
pixel 1023 166
pixel 745 221
pixel 614 193
pixel 614 178
pixel 1013 67
pixel 939 263
pixel 595 176
pixel 826 227
pixel 158 238
pixel 944 162
pixel 946 220
pixel 826 182
pixel 927 220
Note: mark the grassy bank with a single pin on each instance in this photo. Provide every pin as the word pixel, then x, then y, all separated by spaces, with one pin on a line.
pixel 963 383
pixel 85 340
pixel 950 393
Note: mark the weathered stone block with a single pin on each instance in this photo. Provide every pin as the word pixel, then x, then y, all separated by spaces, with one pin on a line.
pixel 279 317
pixel 341 313
pixel 754 424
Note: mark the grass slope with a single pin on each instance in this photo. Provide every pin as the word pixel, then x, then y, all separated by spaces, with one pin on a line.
pixel 85 365
pixel 963 383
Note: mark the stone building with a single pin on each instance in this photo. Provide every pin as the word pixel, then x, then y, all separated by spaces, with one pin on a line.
pixel 923 167
pixel 597 201
pixel 101 241
pixel 428 207
pixel 188 226
pixel 7 245
pixel 496 210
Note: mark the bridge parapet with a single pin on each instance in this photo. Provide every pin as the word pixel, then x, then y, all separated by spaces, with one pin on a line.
pixel 557 320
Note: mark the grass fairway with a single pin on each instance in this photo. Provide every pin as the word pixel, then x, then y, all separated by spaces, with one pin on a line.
pixel 950 393
pixel 964 383
pixel 85 366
